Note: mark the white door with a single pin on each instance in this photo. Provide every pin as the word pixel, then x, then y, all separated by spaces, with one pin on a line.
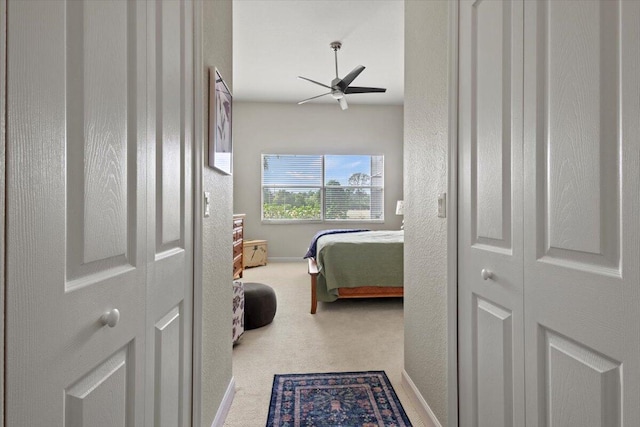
pixel 169 225
pixel 581 216
pixel 578 258
pixel 490 304
pixel 84 156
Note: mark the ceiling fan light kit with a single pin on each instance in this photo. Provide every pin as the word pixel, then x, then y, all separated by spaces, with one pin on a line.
pixel 340 87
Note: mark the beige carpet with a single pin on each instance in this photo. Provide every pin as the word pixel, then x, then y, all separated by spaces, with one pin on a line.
pixel 346 335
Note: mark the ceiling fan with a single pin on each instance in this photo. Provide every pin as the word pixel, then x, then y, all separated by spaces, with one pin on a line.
pixel 340 87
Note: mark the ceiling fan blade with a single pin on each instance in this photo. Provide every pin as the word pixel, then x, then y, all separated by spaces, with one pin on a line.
pixel 343 103
pixel 313 97
pixel 346 81
pixel 355 89
pixel 313 81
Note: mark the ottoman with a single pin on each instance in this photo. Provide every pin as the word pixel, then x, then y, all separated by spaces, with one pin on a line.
pixel 259 305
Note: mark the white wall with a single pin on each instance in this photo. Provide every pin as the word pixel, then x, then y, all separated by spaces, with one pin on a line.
pixel 216 233
pixel 274 128
pixel 425 154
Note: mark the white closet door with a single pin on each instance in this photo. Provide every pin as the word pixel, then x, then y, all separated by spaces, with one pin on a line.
pixel 76 219
pixel 99 133
pixel 169 225
pixel 490 294
pixel 582 192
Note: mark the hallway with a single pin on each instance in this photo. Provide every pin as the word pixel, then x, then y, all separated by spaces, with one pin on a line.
pixel 346 335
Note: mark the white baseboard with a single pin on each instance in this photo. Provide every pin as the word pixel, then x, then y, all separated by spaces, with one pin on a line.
pixel 286 259
pixel 223 410
pixel 419 404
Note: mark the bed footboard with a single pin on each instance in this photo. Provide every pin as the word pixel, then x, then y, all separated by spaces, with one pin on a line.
pixel 313 272
pixel 361 292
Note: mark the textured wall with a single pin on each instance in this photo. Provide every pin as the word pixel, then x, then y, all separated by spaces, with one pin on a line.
pixel 216 234
pixel 425 154
pixel 274 128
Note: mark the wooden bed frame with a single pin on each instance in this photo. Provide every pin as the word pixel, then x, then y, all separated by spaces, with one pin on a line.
pixel 360 292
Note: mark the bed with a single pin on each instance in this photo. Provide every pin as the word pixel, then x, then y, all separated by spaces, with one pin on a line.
pixel 359 264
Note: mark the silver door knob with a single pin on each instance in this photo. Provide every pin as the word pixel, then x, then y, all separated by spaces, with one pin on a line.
pixel 486 274
pixel 110 317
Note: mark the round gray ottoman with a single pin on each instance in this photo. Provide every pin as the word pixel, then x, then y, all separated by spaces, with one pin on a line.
pixel 259 305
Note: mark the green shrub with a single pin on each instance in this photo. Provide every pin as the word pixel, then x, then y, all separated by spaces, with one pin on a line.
pixel 273 211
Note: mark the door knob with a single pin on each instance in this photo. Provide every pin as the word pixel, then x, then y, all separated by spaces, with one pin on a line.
pixel 110 317
pixel 486 274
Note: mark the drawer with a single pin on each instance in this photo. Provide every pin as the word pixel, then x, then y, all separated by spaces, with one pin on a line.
pixel 237 234
pixel 237 263
pixel 237 249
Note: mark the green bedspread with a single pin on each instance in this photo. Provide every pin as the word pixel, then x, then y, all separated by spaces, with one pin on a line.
pixel 351 260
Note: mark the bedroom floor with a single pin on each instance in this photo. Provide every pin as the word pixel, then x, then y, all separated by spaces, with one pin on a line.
pixel 346 335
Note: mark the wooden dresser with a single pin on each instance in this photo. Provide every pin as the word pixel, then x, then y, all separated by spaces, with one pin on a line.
pixel 238 234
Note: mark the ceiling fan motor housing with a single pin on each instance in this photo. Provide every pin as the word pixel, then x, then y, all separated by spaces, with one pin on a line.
pixel 336 91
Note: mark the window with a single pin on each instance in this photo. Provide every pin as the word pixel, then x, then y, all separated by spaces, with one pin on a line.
pixel 322 188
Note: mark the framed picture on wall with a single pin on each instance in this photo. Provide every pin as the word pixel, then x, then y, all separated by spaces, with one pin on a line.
pixel 220 138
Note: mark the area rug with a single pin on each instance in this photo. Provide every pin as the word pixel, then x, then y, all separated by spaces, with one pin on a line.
pixel 339 399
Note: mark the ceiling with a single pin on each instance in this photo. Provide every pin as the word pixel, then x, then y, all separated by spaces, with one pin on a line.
pixel 274 41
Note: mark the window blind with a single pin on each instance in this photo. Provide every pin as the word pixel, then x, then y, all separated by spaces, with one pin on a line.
pixel 317 187
pixel 291 187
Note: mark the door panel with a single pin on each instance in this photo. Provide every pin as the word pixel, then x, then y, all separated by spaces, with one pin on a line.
pixel 490 123
pixel 491 359
pixel 577 83
pixel 99 214
pixel 100 137
pixel 167 386
pixel 582 142
pixel 170 87
pixel 587 384
pixel 495 357
pixel 170 275
pixel 75 216
pixel 97 106
pixel 101 396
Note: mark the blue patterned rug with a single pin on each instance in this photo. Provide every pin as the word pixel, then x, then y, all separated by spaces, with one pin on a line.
pixel 340 399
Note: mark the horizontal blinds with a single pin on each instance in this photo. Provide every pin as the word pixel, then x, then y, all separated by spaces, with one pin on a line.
pixel 354 187
pixel 377 171
pixel 292 187
pixel 377 187
pixel 291 170
pixel 349 203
